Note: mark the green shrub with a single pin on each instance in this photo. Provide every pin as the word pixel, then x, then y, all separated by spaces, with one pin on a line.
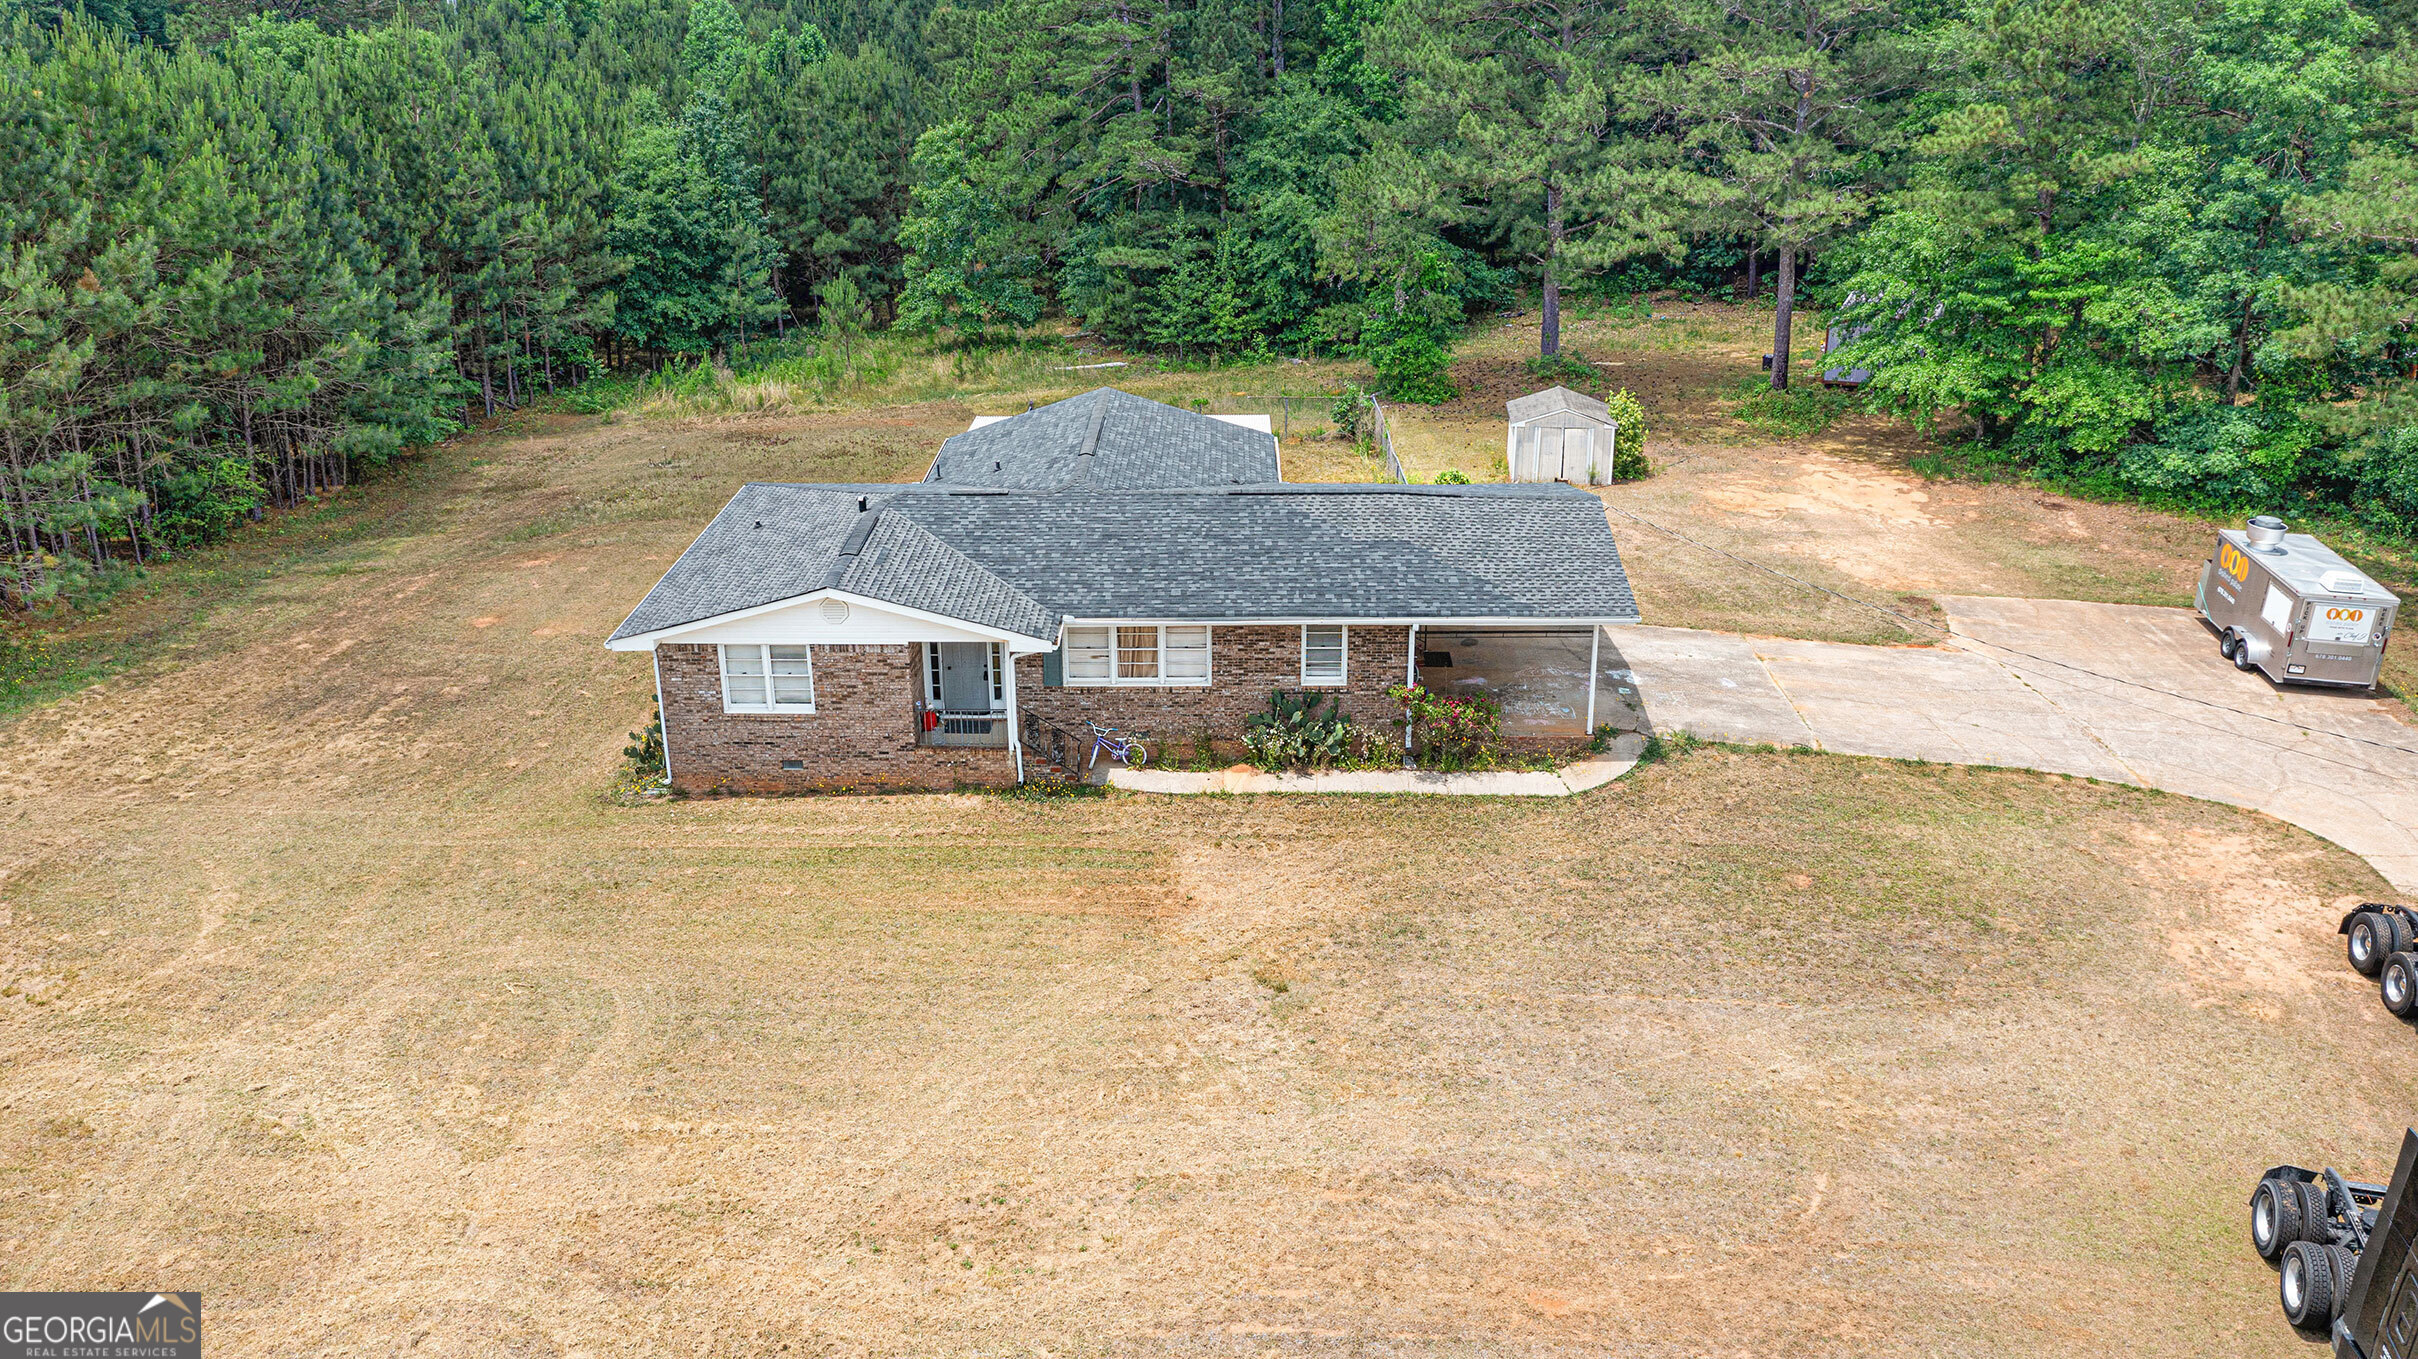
pixel 645 752
pixel 1410 356
pixel 1798 413
pixel 2229 457
pixel 1565 367
pixel 1351 412
pixel 1452 476
pixel 1629 440
pixel 1298 731
pixel 2385 471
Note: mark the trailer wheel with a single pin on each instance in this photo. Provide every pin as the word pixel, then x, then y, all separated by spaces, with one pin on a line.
pixel 2228 644
pixel 2316 1223
pixel 2241 655
pixel 2399 984
pixel 2369 943
pixel 2394 929
pixel 2346 1264
pixel 2274 1217
pixel 2305 1285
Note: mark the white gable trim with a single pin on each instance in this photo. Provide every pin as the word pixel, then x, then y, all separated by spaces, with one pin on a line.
pixel 931 625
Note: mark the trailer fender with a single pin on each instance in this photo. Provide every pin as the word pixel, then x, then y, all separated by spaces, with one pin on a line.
pixel 2297 1174
pixel 2407 915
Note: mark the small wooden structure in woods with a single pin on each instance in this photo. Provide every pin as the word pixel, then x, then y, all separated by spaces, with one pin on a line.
pixel 1559 435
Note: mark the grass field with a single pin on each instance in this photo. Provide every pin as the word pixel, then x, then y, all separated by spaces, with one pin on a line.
pixel 337 986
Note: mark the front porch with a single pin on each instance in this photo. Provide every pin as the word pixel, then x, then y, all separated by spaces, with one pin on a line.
pixel 871 725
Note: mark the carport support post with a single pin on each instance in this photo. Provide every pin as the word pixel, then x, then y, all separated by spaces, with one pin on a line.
pixel 1595 652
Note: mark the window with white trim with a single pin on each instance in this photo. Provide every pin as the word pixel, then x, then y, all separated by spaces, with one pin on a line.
pixel 760 678
pixel 1323 656
pixel 1138 655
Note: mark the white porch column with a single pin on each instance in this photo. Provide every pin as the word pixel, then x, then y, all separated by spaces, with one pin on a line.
pixel 1015 734
pixel 656 656
pixel 1410 677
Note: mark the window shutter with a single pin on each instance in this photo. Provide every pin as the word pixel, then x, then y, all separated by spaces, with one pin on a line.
pixel 1053 669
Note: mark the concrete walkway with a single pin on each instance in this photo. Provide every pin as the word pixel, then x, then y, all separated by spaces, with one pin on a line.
pixel 1575 778
pixel 2108 691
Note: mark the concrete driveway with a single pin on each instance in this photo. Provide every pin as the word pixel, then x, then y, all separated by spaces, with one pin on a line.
pixel 2108 691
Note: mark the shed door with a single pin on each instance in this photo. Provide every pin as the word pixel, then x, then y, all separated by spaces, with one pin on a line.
pixel 1549 455
pixel 965 677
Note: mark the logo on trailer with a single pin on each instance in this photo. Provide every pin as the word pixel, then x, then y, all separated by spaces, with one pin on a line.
pixel 2233 562
pixel 2342 624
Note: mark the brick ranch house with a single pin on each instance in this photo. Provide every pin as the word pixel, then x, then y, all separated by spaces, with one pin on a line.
pixel 1105 559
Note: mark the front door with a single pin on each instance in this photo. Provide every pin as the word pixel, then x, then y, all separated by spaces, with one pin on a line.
pixel 965 677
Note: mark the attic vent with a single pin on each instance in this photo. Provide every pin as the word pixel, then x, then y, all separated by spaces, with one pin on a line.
pixel 835 611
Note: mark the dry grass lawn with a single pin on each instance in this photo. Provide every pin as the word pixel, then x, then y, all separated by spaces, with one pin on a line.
pixel 336 987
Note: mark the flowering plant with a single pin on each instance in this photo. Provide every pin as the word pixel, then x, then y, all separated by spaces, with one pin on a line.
pixel 1451 731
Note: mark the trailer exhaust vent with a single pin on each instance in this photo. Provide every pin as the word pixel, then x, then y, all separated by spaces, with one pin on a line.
pixel 2266 533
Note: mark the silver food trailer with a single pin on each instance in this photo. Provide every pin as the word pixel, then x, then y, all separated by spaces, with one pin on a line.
pixel 2289 607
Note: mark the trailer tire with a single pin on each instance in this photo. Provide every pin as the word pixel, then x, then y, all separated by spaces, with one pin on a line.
pixel 2305 1285
pixel 2368 942
pixel 2398 984
pixel 2274 1217
pixel 2396 935
pixel 2228 643
pixel 2346 1265
pixel 2242 659
pixel 2316 1224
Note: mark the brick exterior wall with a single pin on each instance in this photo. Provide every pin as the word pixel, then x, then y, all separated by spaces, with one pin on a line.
pixel 1244 664
pixel 861 737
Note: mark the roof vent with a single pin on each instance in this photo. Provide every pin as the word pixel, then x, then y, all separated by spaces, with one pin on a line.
pixel 759 523
pixel 835 611
pixel 860 504
pixel 2266 533
pixel 994 464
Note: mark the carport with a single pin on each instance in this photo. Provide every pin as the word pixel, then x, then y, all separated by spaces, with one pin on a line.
pixel 1553 683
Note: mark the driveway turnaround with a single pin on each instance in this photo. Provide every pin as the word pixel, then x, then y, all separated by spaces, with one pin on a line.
pixel 2106 691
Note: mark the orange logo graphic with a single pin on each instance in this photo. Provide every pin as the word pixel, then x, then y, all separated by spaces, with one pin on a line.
pixel 2231 561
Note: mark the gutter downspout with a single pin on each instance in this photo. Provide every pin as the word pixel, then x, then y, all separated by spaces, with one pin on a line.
pixel 655 655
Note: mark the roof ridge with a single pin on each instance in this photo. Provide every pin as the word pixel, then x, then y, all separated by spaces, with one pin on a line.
pixel 1099 417
pixel 854 544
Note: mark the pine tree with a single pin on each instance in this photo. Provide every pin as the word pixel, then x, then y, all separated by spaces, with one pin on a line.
pixel 1782 97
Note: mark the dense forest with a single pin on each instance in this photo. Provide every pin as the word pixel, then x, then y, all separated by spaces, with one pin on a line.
pixel 257 246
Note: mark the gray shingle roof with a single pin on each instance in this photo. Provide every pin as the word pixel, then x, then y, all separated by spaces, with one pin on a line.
pixel 1106 439
pixel 1293 551
pixel 1023 560
pixel 1554 399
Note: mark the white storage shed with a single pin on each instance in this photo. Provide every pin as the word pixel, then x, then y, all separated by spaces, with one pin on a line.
pixel 1559 435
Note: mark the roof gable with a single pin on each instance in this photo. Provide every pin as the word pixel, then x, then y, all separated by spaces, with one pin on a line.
pixel 1106 439
pixel 1556 400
